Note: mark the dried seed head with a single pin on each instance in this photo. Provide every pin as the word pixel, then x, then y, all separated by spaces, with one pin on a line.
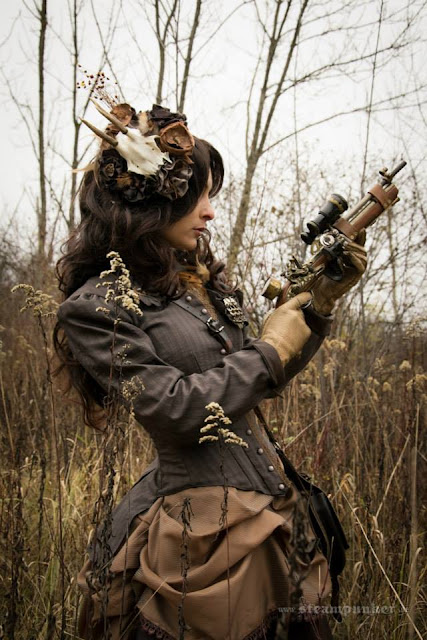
pixel 213 421
pixel 41 304
pixel 120 290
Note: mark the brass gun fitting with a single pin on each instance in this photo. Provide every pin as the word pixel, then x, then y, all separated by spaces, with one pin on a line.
pixel 273 288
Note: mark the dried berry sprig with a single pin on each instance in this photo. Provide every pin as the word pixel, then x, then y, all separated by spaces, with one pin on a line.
pixel 99 85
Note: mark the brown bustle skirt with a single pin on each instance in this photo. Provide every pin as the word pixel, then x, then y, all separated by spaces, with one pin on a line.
pixel 236 584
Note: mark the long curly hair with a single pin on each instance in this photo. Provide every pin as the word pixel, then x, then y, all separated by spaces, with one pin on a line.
pixel 109 223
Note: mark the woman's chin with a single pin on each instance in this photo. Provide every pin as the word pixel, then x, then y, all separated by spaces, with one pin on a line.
pixel 187 246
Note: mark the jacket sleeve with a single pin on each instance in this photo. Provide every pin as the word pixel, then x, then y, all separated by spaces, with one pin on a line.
pixel 320 326
pixel 168 403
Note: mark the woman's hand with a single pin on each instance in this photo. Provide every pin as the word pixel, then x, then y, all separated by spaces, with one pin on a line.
pixel 285 328
pixel 353 262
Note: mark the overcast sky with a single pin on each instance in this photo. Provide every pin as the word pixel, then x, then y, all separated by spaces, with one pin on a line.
pixel 218 91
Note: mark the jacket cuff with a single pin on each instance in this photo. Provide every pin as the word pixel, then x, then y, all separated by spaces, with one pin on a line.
pixel 272 361
pixel 317 322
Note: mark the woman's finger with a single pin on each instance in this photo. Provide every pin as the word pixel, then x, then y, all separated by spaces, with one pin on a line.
pixel 360 239
pixel 353 246
pixel 355 261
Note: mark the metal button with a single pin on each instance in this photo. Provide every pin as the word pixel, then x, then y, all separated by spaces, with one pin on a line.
pixel 281 486
pixel 188 298
pixel 270 467
pixel 260 450
pixel 223 352
pixel 204 311
pixel 249 432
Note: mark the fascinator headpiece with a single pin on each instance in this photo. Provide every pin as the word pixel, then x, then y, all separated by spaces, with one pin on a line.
pixel 144 154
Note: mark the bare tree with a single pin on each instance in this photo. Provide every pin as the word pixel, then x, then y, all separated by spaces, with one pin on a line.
pixel 162 32
pixel 106 39
pixel 76 123
pixel 189 55
pixel 179 42
pixel 282 35
pixel 168 31
pixel 255 141
pixel 42 204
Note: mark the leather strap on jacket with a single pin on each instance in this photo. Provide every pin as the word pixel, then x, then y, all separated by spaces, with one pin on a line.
pixel 290 470
pixel 215 327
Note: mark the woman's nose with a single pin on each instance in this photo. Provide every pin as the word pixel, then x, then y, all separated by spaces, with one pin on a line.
pixel 208 211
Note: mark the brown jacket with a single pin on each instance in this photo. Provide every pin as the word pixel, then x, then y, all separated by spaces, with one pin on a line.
pixel 183 368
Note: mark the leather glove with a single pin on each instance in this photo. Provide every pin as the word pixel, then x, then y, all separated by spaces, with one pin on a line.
pixel 353 262
pixel 285 328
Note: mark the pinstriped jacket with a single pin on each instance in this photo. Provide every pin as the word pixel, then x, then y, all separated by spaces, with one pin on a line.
pixel 183 368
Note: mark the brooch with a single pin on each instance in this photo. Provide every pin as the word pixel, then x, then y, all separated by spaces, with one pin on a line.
pixel 234 312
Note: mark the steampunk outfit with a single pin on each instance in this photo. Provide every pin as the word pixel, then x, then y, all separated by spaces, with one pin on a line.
pixel 239 579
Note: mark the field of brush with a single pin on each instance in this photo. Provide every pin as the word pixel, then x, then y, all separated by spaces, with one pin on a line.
pixel 353 419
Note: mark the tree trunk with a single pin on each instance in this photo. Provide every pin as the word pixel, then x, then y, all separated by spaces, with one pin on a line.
pixel 42 209
pixel 261 129
pixel 189 55
pixel 242 215
pixel 162 39
pixel 74 161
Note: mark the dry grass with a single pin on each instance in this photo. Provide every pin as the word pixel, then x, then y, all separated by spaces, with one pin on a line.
pixel 353 419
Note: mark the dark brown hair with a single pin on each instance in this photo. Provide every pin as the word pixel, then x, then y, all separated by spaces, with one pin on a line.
pixel 109 223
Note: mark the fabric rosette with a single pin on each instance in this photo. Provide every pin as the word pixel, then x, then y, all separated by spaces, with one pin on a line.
pixel 162 117
pixel 172 179
pixel 125 114
pixel 176 139
pixel 113 172
pixel 111 167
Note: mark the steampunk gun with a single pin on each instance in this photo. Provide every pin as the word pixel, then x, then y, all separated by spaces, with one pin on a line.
pixel 333 226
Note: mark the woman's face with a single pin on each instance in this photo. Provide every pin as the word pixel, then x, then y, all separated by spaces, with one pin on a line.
pixel 183 233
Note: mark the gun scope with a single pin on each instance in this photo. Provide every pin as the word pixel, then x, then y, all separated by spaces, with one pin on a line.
pixel 329 213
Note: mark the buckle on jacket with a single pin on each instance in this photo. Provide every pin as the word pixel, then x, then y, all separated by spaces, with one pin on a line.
pixel 214 326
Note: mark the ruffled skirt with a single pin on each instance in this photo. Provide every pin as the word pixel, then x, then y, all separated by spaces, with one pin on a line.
pixel 209 565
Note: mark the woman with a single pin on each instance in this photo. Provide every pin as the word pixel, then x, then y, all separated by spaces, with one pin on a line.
pixel 171 343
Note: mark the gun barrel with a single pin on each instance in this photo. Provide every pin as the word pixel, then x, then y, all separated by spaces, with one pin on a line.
pixel 398 168
pixel 381 196
pixel 367 198
pixel 349 215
